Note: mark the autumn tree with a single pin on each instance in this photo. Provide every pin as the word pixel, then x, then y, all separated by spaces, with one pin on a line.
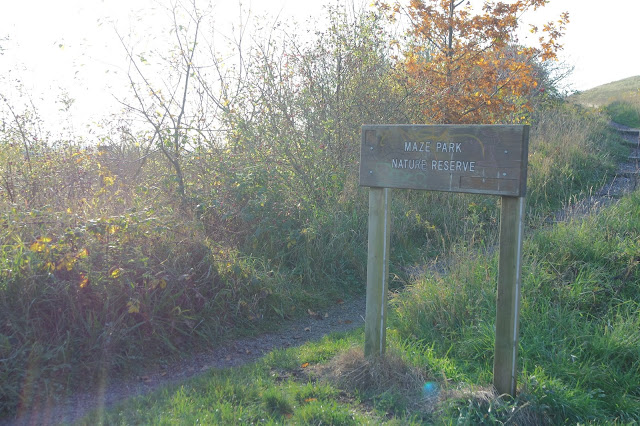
pixel 464 65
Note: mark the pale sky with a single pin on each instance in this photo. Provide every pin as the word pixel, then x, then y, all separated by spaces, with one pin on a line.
pixel 71 45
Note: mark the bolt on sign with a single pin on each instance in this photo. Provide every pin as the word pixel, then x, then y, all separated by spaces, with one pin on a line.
pixel 477 159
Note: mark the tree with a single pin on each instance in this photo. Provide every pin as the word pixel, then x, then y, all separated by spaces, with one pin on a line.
pixel 465 66
pixel 304 102
pixel 166 105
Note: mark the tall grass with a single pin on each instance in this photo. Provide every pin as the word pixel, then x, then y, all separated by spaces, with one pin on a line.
pixel 572 151
pixel 580 312
pixel 624 112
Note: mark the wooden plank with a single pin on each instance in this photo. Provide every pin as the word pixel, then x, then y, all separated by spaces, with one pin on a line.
pixel 453 158
pixel 377 271
pixel 508 298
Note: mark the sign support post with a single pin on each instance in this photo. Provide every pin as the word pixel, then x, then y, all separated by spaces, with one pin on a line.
pixel 375 330
pixel 508 300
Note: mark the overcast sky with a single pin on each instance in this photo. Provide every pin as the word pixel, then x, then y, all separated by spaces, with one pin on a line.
pixel 71 45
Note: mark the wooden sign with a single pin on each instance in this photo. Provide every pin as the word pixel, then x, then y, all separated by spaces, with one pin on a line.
pixel 479 159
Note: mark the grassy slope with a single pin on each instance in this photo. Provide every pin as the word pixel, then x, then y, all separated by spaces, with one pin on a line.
pixel 579 353
pixel 607 93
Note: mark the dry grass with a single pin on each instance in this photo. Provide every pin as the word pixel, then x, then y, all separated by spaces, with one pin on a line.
pixel 479 400
pixel 352 372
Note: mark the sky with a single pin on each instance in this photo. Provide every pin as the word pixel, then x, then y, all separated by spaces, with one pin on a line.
pixel 69 48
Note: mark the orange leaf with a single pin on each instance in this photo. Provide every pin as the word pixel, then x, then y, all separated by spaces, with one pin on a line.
pixel 305 365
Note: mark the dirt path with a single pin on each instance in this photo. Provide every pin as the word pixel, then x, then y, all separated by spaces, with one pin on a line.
pixel 342 317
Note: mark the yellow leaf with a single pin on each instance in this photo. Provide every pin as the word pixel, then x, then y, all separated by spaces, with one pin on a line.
pixel 84 280
pixel 37 246
pixel 116 273
pixel 82 253
pixel 310 399
pixel 133 306
pixel 40 244
pixel 67 263
pixel 108 180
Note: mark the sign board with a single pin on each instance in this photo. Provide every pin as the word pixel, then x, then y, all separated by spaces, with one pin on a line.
pixel 479 159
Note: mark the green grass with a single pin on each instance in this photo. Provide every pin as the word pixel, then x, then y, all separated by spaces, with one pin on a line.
pixel 619 99
pixel 607 93
pixel 580 318
pixel 579 356
pixel 624 113
pixel 275 390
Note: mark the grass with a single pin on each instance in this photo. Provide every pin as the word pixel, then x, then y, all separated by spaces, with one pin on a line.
pixel 619 99
pixel 625 113
pixel 579 319
pixel 579 357
pixel 605 94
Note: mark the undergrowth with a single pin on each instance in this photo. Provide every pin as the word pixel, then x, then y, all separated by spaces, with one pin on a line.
pixel 579 357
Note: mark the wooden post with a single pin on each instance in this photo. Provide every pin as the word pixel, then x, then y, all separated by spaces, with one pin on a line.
pixel 508 302
pixel 377 271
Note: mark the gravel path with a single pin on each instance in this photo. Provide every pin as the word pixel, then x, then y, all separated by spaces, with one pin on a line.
pixel 342 317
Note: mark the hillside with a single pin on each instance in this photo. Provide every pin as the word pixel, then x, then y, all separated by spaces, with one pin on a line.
pixel 627 89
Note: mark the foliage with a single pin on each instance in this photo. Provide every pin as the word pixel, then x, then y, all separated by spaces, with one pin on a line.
pixel 466 66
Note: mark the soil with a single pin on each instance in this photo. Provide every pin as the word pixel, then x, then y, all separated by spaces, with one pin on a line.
pixel 342 317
